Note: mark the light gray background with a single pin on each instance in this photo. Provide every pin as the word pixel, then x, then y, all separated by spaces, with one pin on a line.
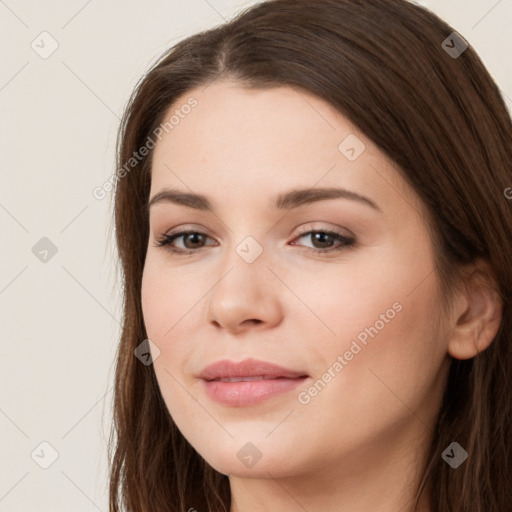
pixel 60 318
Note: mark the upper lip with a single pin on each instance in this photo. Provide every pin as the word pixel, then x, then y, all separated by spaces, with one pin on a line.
pixel 247 368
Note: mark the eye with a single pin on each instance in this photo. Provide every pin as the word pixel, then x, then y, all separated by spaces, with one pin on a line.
pixel 192 241
pixel 325 240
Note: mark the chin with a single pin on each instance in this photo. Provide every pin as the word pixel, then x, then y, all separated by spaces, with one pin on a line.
pixel 257 459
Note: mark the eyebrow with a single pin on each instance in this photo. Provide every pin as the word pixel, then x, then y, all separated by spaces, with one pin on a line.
pixel 283 201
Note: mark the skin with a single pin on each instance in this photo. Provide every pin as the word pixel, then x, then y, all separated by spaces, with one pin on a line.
pixel 360 443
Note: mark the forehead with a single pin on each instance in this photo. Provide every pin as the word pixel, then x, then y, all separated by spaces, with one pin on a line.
pixel 251 140
pixel 228 117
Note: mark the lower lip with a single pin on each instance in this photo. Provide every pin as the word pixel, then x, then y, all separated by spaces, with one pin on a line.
pixel 246 393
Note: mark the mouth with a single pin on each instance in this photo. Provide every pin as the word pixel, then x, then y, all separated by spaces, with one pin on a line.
pixel 248 382
pixel 244 392
pixel 248 369
pixel 247 379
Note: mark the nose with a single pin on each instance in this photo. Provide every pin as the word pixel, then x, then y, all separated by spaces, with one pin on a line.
pixel 246 296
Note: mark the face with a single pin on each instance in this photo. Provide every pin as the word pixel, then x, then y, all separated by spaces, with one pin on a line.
pixel 352 329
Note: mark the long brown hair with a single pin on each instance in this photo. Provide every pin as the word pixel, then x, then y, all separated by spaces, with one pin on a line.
pixel 440 117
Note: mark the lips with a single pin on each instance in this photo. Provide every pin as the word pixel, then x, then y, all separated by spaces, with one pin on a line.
pixel 249 369
pixel 249 382
pixel 244 379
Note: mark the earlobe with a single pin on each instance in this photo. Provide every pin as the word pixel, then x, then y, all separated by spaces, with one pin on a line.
pixel 478 319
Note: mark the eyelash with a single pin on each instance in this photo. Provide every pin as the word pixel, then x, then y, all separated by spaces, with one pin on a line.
pixel 168 238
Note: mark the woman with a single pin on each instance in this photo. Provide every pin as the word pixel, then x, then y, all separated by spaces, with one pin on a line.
pixel 314 232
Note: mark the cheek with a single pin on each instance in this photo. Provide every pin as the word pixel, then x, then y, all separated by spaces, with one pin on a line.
pixel 380 314
pixel 165 303
pixel 343 302
pixel 391 349
pixel 153 301
pixel 165 297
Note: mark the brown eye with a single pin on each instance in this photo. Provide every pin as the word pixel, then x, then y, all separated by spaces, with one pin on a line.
pixel 323 240
pixel 190 239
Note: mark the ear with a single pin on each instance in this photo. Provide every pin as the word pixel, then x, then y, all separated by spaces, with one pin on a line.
pixel 478 313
